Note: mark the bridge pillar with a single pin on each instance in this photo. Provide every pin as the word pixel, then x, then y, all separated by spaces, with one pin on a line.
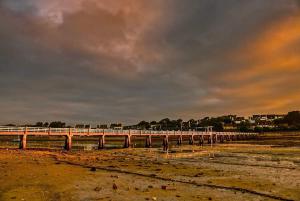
pixel 101 142
pixel 208 139
pixel 68 142
pixel 166 143
pixel 201 140
pixel 179 140
pixel 127 142
pixel 23 142
pixel 221 139
pixel 148 141
pixel 214 138
pixel 191 140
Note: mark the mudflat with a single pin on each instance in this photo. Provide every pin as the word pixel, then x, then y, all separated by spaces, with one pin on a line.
pixel 239 171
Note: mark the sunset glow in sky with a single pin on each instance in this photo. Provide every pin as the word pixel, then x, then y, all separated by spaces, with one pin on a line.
pixel 127 60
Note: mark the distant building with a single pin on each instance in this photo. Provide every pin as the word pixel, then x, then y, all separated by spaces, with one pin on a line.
pixel 87 126
pixel 116 126
pixel 102 126
pixel 229 127
pixel 266 120
pixel 239 120
pixel 268 117
pixel 79 126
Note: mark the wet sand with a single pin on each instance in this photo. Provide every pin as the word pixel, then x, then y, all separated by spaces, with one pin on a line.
pixel 239 171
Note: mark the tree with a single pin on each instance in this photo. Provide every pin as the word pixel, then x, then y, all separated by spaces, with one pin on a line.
pixel 164 123
pixel 293 119
pixel 115 125
pixel 39 124
pixel 217 126
pixel 10 125
pixel 153 122
pixel 57 124
pixel 144 125
pixel 258 129
pixel 103 126
pixel 192 124
pixel 244 126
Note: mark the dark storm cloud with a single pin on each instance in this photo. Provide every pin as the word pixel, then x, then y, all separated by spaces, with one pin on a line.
pixel 88 61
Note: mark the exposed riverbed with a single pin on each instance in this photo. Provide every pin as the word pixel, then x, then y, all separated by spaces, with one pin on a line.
pixel 265 170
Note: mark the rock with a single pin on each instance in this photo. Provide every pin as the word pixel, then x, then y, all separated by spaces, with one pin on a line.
pixel 199 174
pixel 154 198
pixel 150 186
pixel 167 188
pixel 93 169
pixel 98 189
pixel 115 187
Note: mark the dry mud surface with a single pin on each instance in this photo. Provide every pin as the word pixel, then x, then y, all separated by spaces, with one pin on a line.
pixel 224 172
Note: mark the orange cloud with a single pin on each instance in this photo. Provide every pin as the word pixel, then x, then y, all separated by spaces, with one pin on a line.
pixel 275 50
pixel 265 73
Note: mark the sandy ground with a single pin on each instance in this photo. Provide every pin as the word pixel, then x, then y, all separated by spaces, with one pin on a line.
pixel 224 172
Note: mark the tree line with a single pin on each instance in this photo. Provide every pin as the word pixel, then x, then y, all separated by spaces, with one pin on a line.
pixel 291 121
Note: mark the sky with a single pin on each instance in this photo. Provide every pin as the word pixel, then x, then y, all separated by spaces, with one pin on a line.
pixel 101 61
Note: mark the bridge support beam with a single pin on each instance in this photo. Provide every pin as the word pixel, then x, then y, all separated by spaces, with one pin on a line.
pixel 221 139
pixel 68 142
pixel 179 140
pixel 209 139
pixel 191 140
pixel 214 138
pixel 23 142
pixel 127 142
pixel 148 141
pixel 101 142
pixel 166 143
pixel 201 140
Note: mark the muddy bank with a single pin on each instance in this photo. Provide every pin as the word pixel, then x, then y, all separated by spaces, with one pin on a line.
pixel 226 172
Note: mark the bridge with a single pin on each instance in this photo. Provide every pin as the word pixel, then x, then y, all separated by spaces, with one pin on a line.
pixel 209 136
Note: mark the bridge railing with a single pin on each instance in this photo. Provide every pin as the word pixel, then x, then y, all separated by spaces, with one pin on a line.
pixel 111 131
pixel 11 129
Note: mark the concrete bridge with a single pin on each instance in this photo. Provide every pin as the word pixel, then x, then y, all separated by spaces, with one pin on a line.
pixel 199 137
